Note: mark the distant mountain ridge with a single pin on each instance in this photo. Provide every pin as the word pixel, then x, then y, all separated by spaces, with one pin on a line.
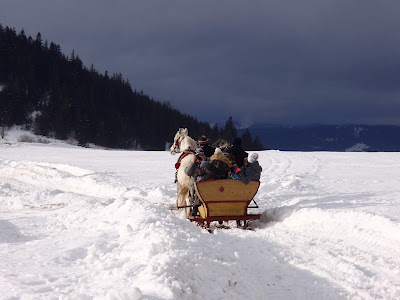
pixel 329 137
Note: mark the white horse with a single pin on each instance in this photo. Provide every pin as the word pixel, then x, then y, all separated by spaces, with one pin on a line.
pixel 186 145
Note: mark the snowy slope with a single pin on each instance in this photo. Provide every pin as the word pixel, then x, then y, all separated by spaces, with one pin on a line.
pixel 81 223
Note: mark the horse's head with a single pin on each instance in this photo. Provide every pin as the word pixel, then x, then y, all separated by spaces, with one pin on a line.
pixel 179 136
pixel 182 142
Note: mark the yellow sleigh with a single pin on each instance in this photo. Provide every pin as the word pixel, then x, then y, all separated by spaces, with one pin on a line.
pixel 225 200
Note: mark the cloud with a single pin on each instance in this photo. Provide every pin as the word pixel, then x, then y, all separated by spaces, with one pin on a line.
pixel 271 61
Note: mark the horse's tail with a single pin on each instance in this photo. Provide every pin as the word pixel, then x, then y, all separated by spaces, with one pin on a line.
pixel 183 193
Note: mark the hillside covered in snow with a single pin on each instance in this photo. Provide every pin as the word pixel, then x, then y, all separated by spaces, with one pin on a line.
pixel 79 223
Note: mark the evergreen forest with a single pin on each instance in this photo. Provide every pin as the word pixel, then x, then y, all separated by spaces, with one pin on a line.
pixel 55 95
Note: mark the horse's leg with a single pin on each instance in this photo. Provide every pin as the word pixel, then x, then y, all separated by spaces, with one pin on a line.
pixel 187 204
pixel 177 195
pixel 179 201
pixel 183 198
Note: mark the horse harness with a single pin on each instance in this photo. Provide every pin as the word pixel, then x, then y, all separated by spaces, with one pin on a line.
pixel 178 164
pixel 178 141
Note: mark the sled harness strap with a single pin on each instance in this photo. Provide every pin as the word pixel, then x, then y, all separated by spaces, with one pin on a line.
pixel 178 164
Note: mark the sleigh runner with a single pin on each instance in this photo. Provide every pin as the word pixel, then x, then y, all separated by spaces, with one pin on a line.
pixel 225 200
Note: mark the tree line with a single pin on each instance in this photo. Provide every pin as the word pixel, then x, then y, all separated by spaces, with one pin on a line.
pixel 58 96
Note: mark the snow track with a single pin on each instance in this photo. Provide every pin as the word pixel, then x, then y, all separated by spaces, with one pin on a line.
pixel 333 227
pixel 92 224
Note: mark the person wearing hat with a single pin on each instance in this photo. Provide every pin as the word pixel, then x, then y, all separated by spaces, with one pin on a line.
pixel 195 170
pixel 238 152
pixel 203 143
pixel 218 167
pixel 251 171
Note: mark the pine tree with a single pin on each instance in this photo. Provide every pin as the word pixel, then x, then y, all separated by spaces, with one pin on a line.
pixel 257 144
pixel 247 140
pixel 229 132
pixel 39 38
pixel 70 99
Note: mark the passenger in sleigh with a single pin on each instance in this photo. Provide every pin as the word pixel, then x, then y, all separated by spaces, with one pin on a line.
pixel 195 170
pixel 232 172
pixel 250 171
pixel 201 170
pixel 238 152
pixel 203 143
pixel 218 166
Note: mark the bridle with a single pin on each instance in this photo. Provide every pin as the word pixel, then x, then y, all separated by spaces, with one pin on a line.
pixel 178 142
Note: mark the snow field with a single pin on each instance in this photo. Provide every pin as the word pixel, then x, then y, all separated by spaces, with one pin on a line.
pixel 94 224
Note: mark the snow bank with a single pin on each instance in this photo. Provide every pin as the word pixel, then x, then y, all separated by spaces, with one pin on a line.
pixel 16 134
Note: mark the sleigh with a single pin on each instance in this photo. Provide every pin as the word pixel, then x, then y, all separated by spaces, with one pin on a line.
pixel 225 200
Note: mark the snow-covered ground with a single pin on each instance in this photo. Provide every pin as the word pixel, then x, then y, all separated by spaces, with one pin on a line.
pixel 80 223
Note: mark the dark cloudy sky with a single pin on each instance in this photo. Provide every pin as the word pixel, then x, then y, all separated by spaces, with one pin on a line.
pixel 287 62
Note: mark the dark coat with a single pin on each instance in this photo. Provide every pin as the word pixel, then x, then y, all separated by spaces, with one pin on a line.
pixel 217 168
pixel 239 154
pixel 193 170
pixel 251 172
pixel 208 150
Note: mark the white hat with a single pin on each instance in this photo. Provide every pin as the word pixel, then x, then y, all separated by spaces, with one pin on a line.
pixel 218 151
pixel 252 158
